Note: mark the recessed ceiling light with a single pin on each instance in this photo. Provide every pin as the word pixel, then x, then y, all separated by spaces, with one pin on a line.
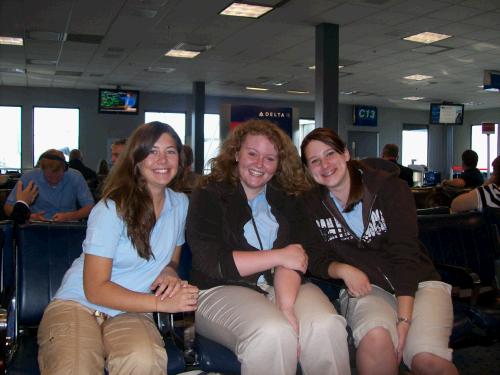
pixel 353 92
pixel 413 98
pixel 181 53
pixel 297 92
pixel 313 67
pixel 418 77
pixel 256 88
pixel 7 40
pixel 427 37
pixel 245 10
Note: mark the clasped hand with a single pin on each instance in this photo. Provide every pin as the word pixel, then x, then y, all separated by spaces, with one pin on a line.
pixel 174 294
pixel 294 258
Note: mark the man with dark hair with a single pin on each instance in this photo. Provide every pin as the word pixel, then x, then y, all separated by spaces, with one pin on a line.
pixel 190 179
pixel 391 152
pixel 63 194
pixel 117 148
pixel 76 162
pixel 471 177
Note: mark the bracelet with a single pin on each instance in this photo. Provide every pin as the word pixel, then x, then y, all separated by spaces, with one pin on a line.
pixel 404 320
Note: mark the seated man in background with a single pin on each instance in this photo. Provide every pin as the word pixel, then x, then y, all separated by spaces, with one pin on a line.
pixel 117 148
pixel 76 162
pixel 471 177
pixel 63 194
pixel 391 152
pixel 190 179
pixel 484 196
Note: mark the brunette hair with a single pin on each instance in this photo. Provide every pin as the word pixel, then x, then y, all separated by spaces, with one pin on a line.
pixel 128 189
pixel 289 175
pixel 330 138
pixel 470 159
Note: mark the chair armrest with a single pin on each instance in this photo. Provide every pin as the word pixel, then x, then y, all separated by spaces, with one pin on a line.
pixel 461 278
pixel 458 276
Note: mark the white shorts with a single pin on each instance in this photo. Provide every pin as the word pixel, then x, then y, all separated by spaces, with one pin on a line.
pixel 431 325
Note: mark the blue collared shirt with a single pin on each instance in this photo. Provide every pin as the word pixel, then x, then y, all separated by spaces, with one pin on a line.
pixel 69 194
pixel 353 218
pixel 107 237
pixel 266 224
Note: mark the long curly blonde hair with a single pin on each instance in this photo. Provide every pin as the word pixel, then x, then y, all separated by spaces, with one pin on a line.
pixel 289 176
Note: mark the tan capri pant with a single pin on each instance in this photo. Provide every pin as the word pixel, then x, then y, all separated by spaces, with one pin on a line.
pixel 431 325
pixel 72 341
pixel 251 325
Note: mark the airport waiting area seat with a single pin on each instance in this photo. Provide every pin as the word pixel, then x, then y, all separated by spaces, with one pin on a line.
pixel 7 260
pixel 465 249
pixel 43 254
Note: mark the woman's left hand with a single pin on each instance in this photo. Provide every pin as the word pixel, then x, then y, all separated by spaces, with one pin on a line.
pixel 167 283
pixel 403 329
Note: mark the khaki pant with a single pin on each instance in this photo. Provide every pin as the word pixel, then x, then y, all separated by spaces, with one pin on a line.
pixel 73 341
pixel 431 325
pixel 252 326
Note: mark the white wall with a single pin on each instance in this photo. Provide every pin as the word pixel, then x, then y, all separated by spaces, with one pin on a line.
pixel 462 134
pixel 96 129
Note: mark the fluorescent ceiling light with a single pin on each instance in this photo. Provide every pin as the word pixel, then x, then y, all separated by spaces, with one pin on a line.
pixel 7 40
pixel 245 10
pixel 427 37
pixel 297 92
pixel 413 98
pixel 183 54
pixel 418 77
pixel 256 88
pixel 313 67
pixel 353 92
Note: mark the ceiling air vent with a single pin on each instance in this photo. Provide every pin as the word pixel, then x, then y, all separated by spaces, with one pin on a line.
pixel 52 36
pixel 68 73
pixel 85 38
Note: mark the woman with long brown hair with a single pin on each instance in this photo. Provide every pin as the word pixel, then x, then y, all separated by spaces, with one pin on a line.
pixel 247 235
pixel 393 300
pixel 98 317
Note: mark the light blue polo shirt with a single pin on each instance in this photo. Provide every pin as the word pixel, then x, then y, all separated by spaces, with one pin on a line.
pixel 353 218
pixel 266 225
pixel 63 197
pixel 107 237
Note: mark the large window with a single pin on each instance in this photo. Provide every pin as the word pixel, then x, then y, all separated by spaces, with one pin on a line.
pixel 10 141
pixel 55 128
pixel 306 126
pixel 480 145
pixel 415 141
pixel 175 120
pixel 212 139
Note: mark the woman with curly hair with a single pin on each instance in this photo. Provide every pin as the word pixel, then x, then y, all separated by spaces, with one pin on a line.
pixel 247 235
pixel 99 316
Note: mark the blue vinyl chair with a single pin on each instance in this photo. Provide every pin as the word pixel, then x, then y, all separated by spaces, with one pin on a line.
pixel 210 356
pixel 44 253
